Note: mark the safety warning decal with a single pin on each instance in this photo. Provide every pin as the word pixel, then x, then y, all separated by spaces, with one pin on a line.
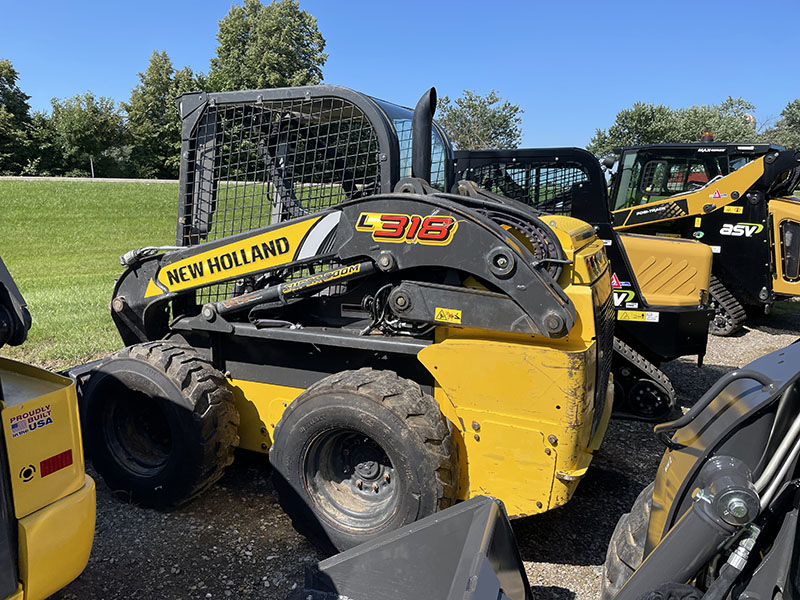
pixel 31 420
pixel 638 315
pixel 447 315
pixel 735 210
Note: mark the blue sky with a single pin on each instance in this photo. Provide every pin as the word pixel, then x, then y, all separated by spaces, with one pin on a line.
pixel 570 65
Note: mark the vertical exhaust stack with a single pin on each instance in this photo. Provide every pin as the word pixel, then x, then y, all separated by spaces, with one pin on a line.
pixel 421 132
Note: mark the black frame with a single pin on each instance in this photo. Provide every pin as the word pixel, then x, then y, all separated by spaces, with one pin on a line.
pixel 682 331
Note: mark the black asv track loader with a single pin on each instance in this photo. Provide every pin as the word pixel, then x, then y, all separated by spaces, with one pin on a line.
pixel 660 285
pixel 737 198
pixel 393 348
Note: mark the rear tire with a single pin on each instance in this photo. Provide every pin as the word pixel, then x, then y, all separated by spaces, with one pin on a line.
pixel 361 453
pixel 626 549
pixel 161 424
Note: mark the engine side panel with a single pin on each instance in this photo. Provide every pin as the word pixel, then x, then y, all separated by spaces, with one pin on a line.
pixel 670 272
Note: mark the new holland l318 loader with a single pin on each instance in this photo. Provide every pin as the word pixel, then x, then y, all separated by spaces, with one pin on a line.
pixel 737 198
pixel 393 348
pixel 47 502
pixel 660 285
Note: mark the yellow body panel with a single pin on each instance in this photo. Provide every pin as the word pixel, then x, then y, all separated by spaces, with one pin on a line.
pixel 55 542
pixel 670 272
pixel 260 407
pixel 782 210
pixel 506 400
pixel 40 420
pixel 739 181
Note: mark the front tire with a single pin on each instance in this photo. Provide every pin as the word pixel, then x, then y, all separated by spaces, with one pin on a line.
pixel 626 549
pixel 160 423
pixel 361 453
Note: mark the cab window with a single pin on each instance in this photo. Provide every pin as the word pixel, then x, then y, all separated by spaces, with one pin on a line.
pixel 649 176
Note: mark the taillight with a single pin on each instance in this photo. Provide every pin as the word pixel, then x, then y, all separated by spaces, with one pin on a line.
pixel 55 463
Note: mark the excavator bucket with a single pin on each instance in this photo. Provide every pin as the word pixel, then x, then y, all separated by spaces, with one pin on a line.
pixel 467 552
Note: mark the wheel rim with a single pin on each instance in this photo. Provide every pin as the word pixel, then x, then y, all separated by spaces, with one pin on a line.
pixel 350 479
pixel 137 433
pixel 648 400
pixel 722 323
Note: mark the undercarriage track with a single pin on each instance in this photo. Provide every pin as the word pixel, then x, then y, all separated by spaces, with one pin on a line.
pixel 641 390
pixel 729 314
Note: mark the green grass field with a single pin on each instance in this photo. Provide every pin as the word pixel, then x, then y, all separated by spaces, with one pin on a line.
pixel 61 241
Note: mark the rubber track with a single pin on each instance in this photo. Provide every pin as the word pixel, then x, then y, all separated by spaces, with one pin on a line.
pixel 728 303
pixel 419 410
pixel 207 391
pixel 650 371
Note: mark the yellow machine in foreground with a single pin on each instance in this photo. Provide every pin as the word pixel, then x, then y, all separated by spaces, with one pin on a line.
pixel 47 502
pixel 394 349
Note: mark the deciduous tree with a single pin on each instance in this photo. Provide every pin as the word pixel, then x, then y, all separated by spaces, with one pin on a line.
pixel 476 122
pixel 787 129
pixel 153 122
pixel 646 123
pixel 14 119
pixel 266 46
pixel 88 129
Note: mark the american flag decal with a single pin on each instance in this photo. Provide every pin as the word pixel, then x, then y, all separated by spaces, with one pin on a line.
pixel 18 428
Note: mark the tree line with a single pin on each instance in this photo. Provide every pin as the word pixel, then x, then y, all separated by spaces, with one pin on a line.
pixel 277 45
pixel 259 46
pixel 730 121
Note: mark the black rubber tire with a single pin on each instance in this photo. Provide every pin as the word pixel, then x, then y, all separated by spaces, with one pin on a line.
pixel 160 423
pixel 381 415
pixel 674 591
pixel 626 549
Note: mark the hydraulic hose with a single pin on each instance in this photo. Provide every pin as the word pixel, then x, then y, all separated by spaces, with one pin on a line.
pixel 778 456
pixel 766 497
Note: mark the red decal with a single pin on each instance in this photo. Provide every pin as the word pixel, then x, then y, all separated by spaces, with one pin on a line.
pixel 55 463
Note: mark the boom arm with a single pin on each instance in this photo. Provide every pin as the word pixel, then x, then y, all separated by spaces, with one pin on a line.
pixel 756 177
pixel 403 236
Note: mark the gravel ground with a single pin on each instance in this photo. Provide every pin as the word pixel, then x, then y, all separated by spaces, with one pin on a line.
pixel 235 542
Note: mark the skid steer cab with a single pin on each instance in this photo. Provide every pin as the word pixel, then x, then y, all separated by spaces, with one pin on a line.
pixel 47 502
pixel 721 518
pixel 394 348
pixel 660 285
pixel 736 198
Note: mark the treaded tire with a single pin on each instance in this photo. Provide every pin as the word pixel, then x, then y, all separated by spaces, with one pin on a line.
pixel 160 423
pixel 626 549
pixel 362 427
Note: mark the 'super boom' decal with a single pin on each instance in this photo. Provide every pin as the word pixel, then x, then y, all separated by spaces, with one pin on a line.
pixel 433 230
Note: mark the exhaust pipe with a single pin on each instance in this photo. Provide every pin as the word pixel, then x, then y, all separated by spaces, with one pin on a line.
pixel 421 131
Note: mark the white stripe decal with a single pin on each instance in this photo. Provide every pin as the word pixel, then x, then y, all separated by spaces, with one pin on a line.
pixel 317 235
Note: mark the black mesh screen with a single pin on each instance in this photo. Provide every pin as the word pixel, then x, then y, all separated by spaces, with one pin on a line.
pixel 438 164
pixel 547 186
pixel 256 164
pixel 605 318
